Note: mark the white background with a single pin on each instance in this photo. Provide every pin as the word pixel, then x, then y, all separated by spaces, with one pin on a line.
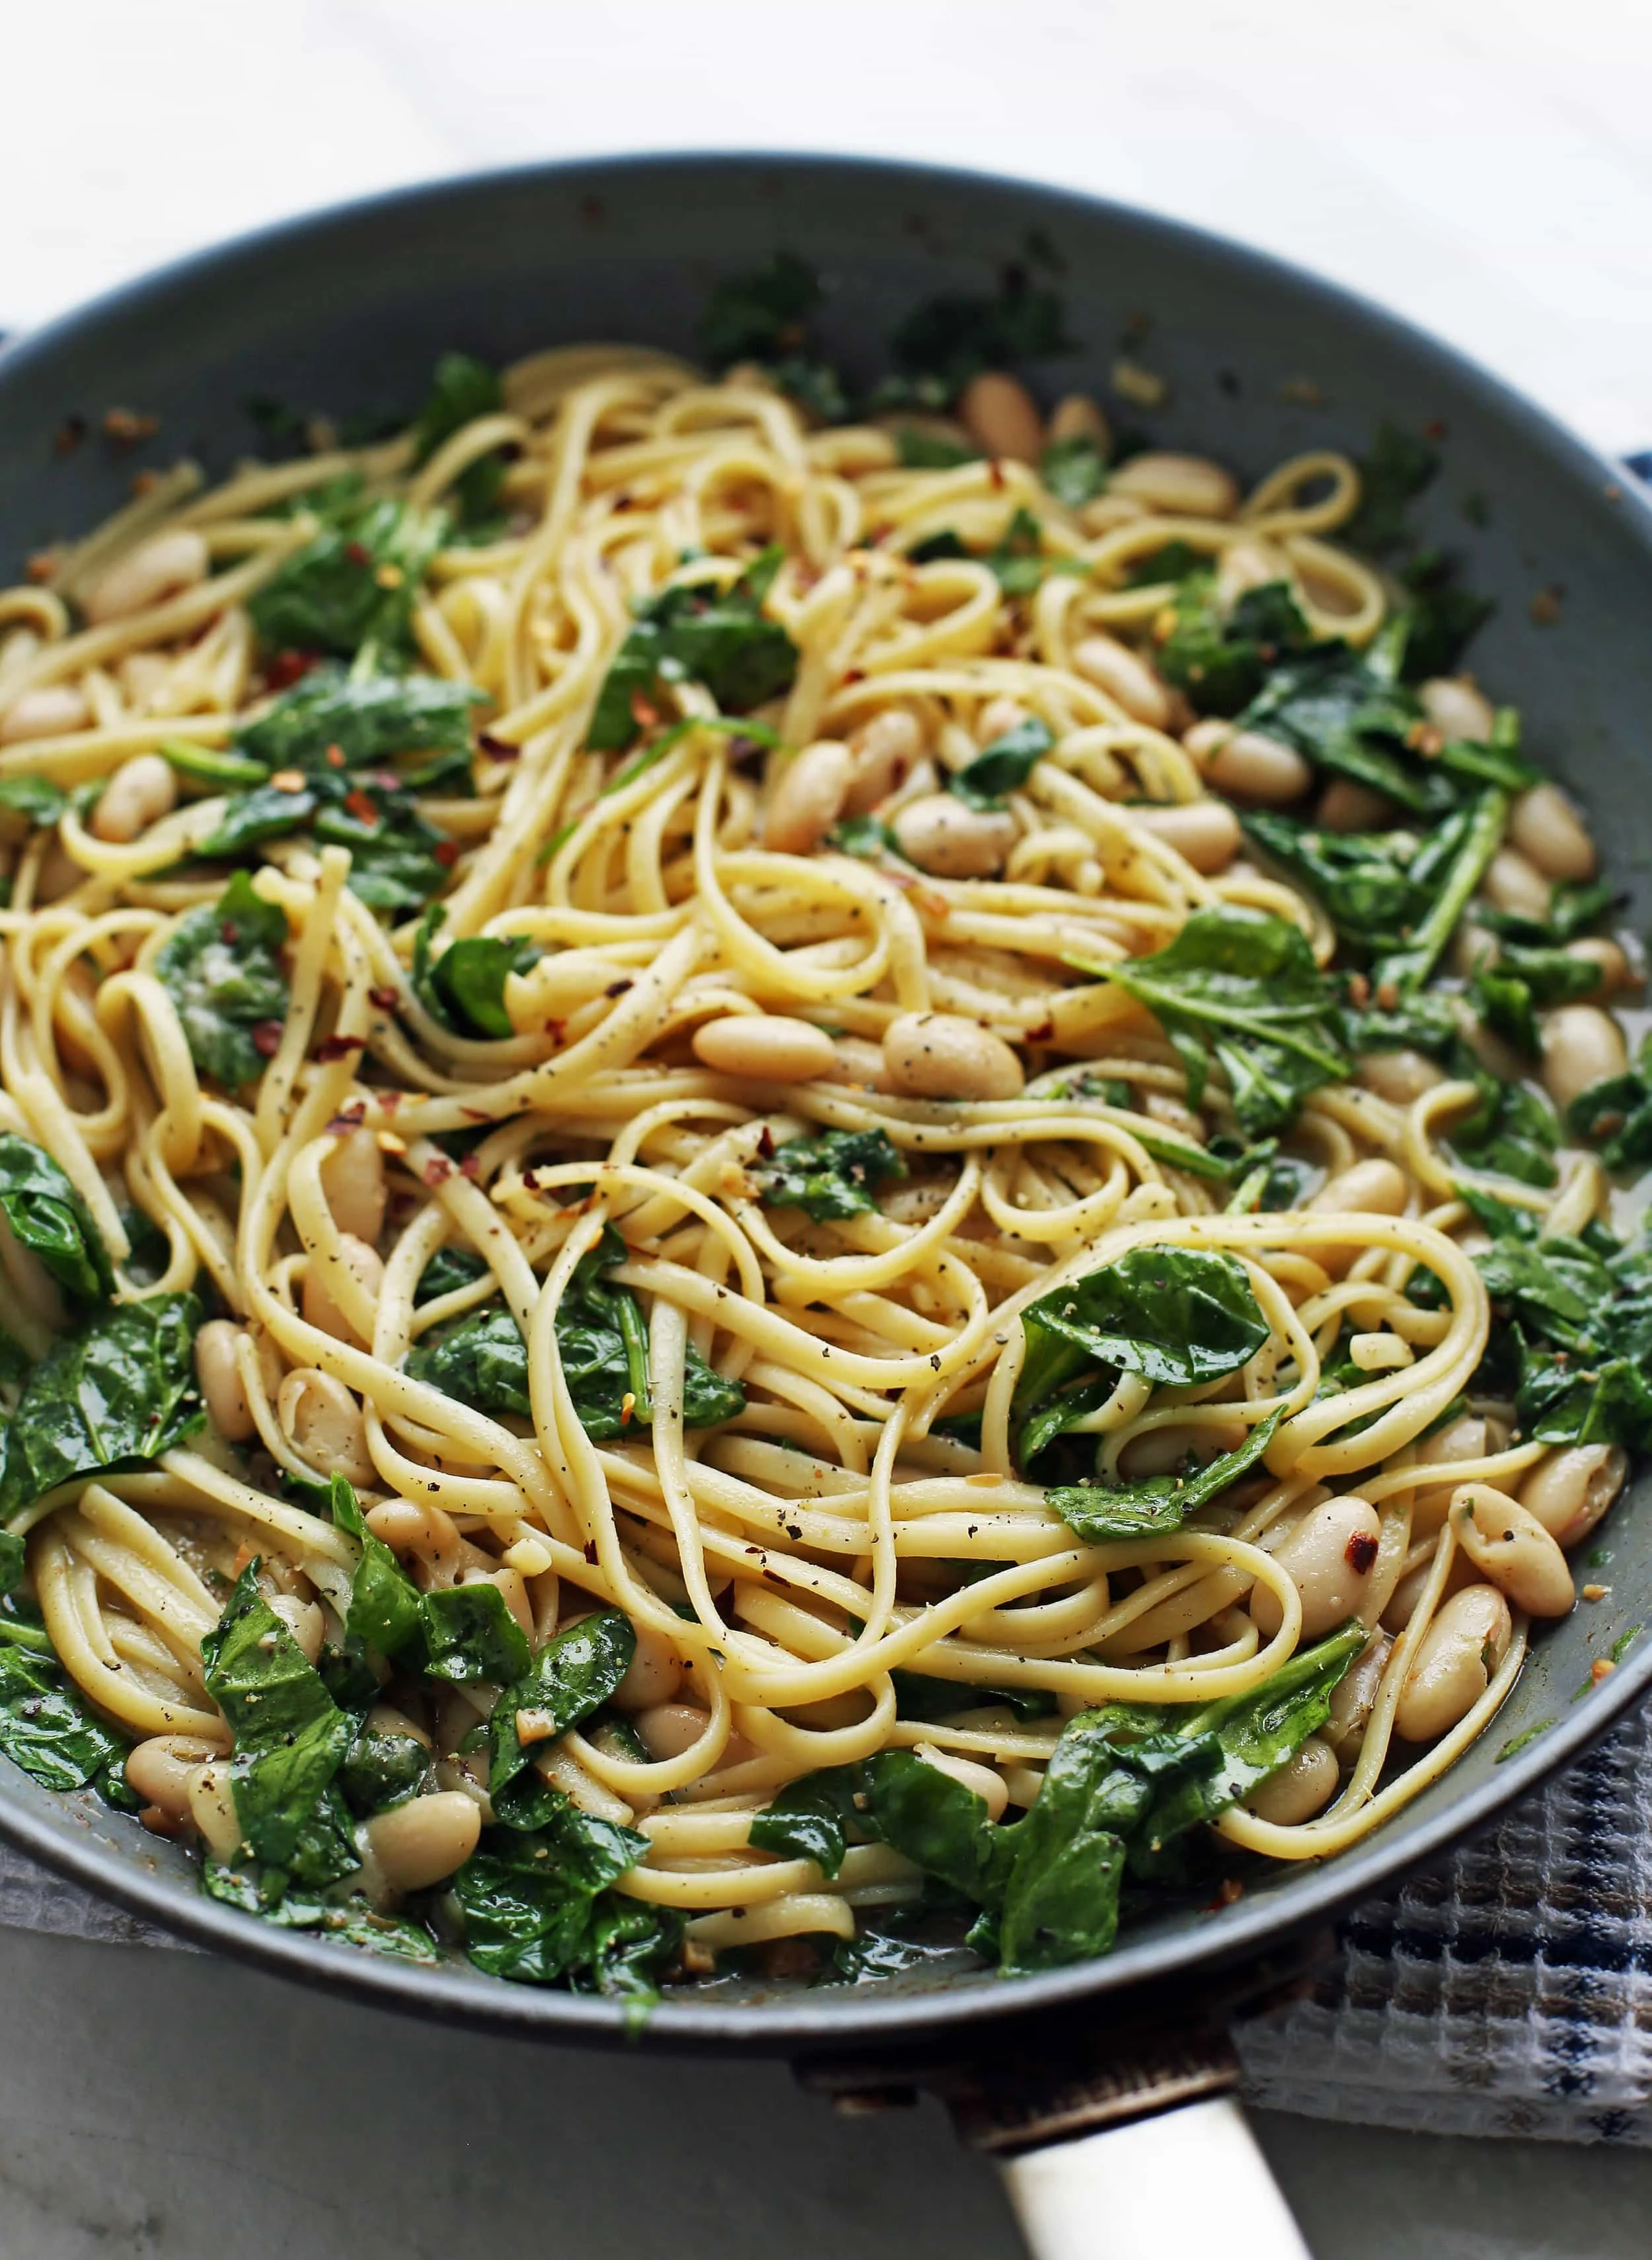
pixel 1484 166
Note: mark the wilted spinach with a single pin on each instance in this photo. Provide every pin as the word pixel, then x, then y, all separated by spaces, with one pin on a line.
pixel 1098 1512
pixel 120 1388
pixel 538 1909
pixel 48 1218
pixel 762 316
pixel 1004 766
pixel 828 1177
pixel 572 1676
pixel 944 343
pixel 463 389
pixel 46 1726
pixel 693 632
pixel 221 967
pixel 354 583
pixel 1221 661
pixel 464 988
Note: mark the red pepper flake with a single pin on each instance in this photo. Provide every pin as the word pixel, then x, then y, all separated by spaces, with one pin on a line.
pixel 266 1036
pixel 644 715
pixel 43 563
pixel 855 675
pixel 1228 1892
pixel 386 999
pixel 446 853
pixel 1359 1552
pixel 1044 1033
pixel 334 757
pixel 476 1114
pixel 1435 430
pixel 68 435
pixel 125 427
pixel 337 1047
pixel 766 1141
pixel 361 807
pixel 436 1170
pixel 389 1100
pixel 994 473
pixel 357 553
pixel 496 750
pixel 287 667
pixel 556 1030
pixel 1359 990
pixel 470 1167
pixel 590 1551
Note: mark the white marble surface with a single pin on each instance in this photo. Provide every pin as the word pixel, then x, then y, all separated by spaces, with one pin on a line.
pixel 1486 169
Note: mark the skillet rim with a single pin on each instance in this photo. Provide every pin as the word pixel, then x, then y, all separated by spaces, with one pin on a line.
pixel 833 2020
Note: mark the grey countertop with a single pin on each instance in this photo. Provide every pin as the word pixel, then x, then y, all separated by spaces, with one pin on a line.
pixel 176 2107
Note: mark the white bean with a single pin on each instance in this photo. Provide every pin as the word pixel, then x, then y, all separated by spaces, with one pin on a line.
pixel 1353 1697
pixel 324 1423
pixel 856 1060
pixel 1548 832
pixel 1077 416
pixel 1512 883
pixel 998 718
pixel 353 1179
pixel 942 1055
pixel 220 1380
pixel 1572 1489
pixel 1581 1045
pixel 1329 1557
pixel 982 1781
pixel 768 1046
pixel 1456 707
pixel 1186 486
pixel 1399 1076
pixel 1203 832
pixel 1508 1544
pixel 1467 1439
pixel 1125 677
pixel 1612 960
pixel 1251 767
pixel 161 1771
pixel 943 836
pixel 1346 805
pixel 418 1843
pixel 1453 1668
pixel 51 712
pixel 884 752
pixel 1001 417
pixel 654 1674
pixel 157 569
pixel 1371 1187
pixel 809 797
pixel 212 1810
pixel 140 792
pixel 364 1265
pixel 1303 1785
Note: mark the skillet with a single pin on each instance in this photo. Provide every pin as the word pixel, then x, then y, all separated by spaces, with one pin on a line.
pixel 347 311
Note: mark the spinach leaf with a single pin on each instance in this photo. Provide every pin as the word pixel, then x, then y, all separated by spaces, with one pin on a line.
pixel 37 798
pixel 1177 1315
pixel 537 1908
pixel 479 1359
pixel 1510 1132
pixel 1619 1111
pixel 1574 905
pixel 448 1268
pixel 930 451
pixel 1391 477
pixel 1004 766
pixel 348 1919
pixel 384 1612
pixel 461 390
pixel 48 1218
pixel 367 719
pixel 893 1798
pixel 470 1635
pixel 1346 711
pixel 120 1388
pixel 221 967
pixel 1442 617
pixel 920 1696
pixel 831 1177
pixel 381 1769
pixel 1074 470
pixel 398 860
pixel 573 1675
pixel 1240 987
pixel 464 988
pixel 291 1740
pixel 354 583
pixel 760 317
pixel 1222 662
pixel 944 343
pixel 46 1726
pixel 1096 1512
pixel 694 633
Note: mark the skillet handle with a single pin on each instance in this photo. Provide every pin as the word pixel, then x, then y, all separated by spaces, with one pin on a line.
pixel 1181 2184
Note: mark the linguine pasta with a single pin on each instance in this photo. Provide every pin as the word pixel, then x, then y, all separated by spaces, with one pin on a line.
pixel 632 1349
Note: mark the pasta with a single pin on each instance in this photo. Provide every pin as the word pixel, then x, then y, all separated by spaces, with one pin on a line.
pixel 750 1190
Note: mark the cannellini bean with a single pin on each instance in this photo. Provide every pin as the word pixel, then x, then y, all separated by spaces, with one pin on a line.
pixel 1303 1785
pixel 141 791
pixel 353 1179
pixel 943 836
pixel 212 1810
pixel 157 569
pixel 654 1674
pixel 51 712
pixel 324 1423
pixel 1399 1076
pixel 162 1770
pixel 1512 883
pixel 1467 1439
pixel 1079 417
pixel 385 1718
pixel 998 718
pixel 220 1380
pixel 303 1620
pixel 809 798
pixel 1249 766
pixel 1581 1045
pixel 1346 805
pixel 769 1046
pixel 1163 1451
pixel 1572 1489
pixel 1188 486
pixel 1508 1544
pixel 418 1843
pixel 364 1265
pixel 1453 1668
pixel 667 1729
pixel 512 1587
pixel 942 1055
pixel 1329 1557
pixel 1377 1188
pixel 1548 832
pixel 983 1781
pixel 1124 676
pixel 857 1061
pixel 1612 958
pixel 1455 706
pixel 1203 832
pixel 1353 1697
pixel 1001 417
pixel 884 752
